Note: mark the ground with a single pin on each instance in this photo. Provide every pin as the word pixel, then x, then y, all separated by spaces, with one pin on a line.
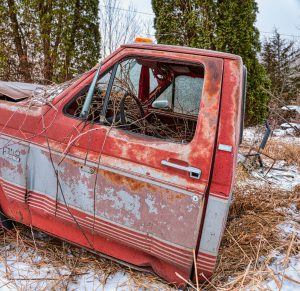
pixel 260 248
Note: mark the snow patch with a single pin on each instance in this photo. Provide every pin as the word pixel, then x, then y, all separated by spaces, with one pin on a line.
pixel 290 125
pixel 287 276
pixel 252 135
pixel 285 178
pixel 291 108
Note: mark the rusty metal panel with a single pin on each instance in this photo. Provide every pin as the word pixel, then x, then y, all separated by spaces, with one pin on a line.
pixel 223 168
pixel 107 189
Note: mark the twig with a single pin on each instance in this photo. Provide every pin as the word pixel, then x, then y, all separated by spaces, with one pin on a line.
pixel 245 274
pixel 286 259
pixel 47 279
pixel 186 281
pixel 274 278
pixel 196 271
pixel 291 279
pixel 237 244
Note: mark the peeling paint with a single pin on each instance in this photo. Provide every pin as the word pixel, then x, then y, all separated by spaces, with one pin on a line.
pixel 150 201
pixel 129 206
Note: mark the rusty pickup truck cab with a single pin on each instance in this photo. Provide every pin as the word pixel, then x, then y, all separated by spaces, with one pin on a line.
pixel 134 160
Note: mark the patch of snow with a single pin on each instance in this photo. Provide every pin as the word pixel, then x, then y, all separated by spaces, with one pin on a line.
pixel 252 134
pixel 289 227
pixel 241 157
pixel 292 225
pixel 290 125
pixel 292 211
pixel 289 138
pixel 291 108
pixel 117 282
pixel 279 132
pixel 288 276
pixel 285 177
pixel 89 281
pixel 17 274
pixel 23 269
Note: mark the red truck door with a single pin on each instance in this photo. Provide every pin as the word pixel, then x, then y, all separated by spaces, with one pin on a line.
pixel 137 189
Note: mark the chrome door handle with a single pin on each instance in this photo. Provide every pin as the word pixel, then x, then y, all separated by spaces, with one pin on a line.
pixel 195 173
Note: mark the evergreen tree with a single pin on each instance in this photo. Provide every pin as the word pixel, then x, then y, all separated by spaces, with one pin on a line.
pixel 48 40
pixel 225 25
pixel 185 23
pixel 281 59
pixel 175 22
pixel 236 33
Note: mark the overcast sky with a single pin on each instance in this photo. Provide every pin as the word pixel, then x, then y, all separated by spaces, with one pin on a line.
pixel 283 14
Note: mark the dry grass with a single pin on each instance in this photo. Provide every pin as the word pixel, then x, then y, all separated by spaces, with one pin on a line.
pixel 283 151
pixel 242 174
pixel 61 264
pixel 252 234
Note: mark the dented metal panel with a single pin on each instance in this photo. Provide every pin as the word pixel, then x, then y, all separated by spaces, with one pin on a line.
pixel 114 191
pixel 18 90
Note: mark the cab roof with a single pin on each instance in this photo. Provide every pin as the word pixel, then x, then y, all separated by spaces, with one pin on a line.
pixel 181 49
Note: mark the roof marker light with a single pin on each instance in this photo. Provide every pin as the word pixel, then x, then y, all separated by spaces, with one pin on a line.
pixel 143 39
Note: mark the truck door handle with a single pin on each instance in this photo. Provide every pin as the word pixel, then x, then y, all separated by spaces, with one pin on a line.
pixel 195 173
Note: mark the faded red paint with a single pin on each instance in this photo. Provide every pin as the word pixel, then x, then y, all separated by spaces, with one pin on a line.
pixel 173 218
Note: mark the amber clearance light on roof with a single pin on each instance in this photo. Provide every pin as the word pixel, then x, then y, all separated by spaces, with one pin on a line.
pixel 143 39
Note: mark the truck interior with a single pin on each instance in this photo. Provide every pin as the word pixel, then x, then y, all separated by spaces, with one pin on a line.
pixel 151 97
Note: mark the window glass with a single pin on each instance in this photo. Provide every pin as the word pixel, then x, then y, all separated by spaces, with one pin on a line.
pixel 187 94
pixel 103 81
pixel 166 95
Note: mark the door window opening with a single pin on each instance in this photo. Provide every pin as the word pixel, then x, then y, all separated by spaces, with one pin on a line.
pixel 148 97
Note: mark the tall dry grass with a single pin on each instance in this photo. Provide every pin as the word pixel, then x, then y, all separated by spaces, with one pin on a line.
pixel 252 235
pixel 283 151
